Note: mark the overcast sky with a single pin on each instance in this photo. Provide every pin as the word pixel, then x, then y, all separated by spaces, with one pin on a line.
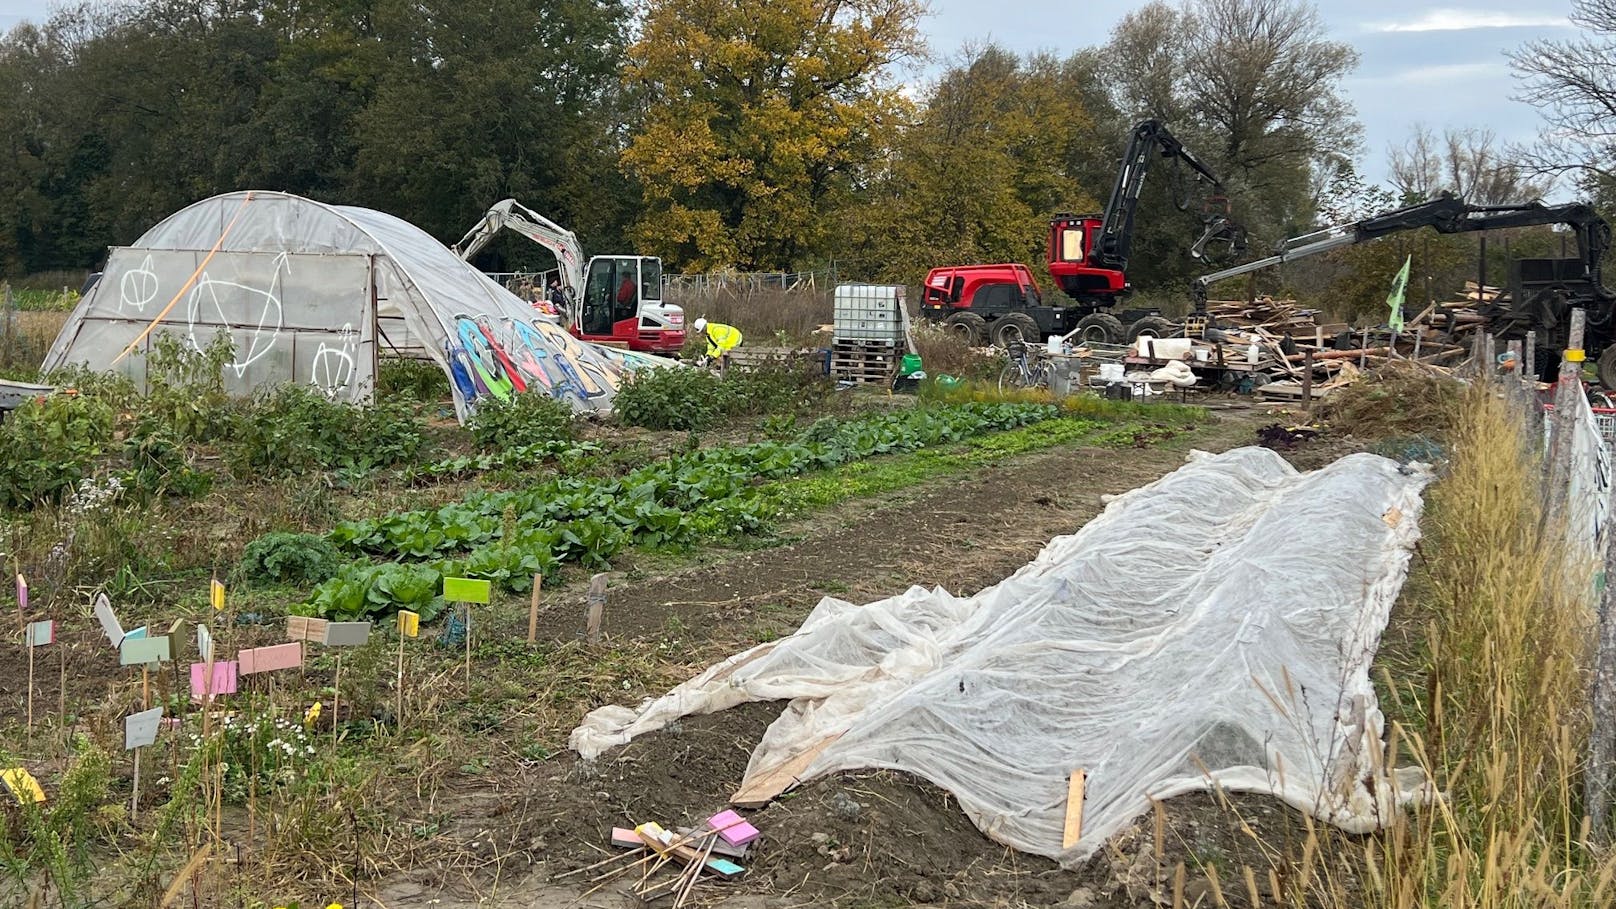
pixel 1441 65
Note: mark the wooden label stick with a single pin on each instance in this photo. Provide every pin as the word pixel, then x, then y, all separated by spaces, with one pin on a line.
pixel 533 610
pixel 597 607
pixel 1074 809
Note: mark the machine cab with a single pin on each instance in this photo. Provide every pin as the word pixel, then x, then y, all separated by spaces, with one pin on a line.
pixel 622 304
pixel 1072 238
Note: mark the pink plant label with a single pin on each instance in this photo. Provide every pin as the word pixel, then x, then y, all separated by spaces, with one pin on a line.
pixel 733 829
pixel 270 659
pixel 222 682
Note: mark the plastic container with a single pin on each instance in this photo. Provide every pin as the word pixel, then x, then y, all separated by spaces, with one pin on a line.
pixel 868 312
pixel 909 364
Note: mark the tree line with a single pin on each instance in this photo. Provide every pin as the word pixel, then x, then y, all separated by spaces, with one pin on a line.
pixel 748 134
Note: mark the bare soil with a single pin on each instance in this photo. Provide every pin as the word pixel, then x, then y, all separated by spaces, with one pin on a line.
pixel 855 840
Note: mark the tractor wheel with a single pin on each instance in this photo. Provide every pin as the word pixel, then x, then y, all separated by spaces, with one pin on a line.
pixel 1155 327
pixel 1016 326
pixel 1099 328
pixel 1607 368
pixel 968 327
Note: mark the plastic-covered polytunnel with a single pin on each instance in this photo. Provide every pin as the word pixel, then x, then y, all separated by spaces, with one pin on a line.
pixel 315 293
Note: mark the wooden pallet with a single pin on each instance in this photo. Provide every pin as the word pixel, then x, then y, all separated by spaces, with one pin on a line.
pixel 865 362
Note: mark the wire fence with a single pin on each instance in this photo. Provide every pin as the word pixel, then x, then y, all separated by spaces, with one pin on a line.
pixel 726 283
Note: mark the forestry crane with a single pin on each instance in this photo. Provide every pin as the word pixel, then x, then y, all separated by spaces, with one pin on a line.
pixel 1542 291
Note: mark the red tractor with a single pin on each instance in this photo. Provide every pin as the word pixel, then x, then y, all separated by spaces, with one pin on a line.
pixel 1088 260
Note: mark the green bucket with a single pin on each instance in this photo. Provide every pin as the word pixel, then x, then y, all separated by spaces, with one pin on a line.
pixel 910 365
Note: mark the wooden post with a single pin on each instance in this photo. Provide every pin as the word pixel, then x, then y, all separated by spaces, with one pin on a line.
pixel 398 713
pixel 336 698
pixel 533 610
pixel 30 646
pixel 1363 358
pixel 1530 369
pixel 1491 351
pixel 597 607
pixel 1307 383
pixel 1569 386
pixel 1597 784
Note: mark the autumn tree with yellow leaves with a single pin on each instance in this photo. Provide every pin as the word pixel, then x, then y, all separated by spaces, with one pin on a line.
pixel 760 117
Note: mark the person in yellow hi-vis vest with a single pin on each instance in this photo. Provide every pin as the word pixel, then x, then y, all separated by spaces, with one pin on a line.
pixel 721 338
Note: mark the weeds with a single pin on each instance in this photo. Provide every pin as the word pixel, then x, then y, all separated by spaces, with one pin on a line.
pixel 525 420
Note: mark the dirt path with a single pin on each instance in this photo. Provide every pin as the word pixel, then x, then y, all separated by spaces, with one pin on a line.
pixel 875 839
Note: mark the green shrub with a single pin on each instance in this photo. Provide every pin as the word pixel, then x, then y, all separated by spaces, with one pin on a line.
pixel 775 387
pixel 679 399
pixel 532 418
pixel 185 387
pixel 412 380
pixel 294 428
pixel 48 446
pixel 291 558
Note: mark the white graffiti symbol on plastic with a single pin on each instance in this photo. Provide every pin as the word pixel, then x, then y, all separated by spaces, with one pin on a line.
pixel 138 287
pixel 208 307
pixel 333 366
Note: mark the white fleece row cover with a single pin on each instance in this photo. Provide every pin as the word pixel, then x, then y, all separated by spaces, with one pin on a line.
pixel 1216 625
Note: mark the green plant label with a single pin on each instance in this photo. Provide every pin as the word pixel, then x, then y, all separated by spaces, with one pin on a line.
pixel 465 590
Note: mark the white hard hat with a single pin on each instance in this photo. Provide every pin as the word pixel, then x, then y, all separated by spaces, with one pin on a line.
pixel 701 324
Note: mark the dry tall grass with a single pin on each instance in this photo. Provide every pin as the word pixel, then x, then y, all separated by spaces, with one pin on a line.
pixel 766 318
pixel 1490 704
pixel 1500 724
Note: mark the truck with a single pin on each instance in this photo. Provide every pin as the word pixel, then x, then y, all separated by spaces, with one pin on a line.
pixel 613 300
pixel 1087 256
pixel 1542 291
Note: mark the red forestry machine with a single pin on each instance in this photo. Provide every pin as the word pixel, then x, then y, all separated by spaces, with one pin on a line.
pixel 1088 260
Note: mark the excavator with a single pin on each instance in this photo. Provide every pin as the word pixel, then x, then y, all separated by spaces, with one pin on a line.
pixel 1088 260
pixel 1542 291
pixel 615 300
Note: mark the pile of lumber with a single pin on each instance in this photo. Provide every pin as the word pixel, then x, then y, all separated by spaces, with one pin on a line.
pixel 1277 316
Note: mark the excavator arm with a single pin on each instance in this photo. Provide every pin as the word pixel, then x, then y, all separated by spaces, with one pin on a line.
pixel 511 215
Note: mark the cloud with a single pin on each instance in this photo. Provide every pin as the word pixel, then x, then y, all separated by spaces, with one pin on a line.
pixel 1436 74
pixel 1459 20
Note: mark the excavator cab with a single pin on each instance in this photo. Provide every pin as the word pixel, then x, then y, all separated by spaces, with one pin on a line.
pixel 622 304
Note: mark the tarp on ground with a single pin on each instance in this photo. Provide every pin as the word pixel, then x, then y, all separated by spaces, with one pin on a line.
pixel 1214 626
pixel 315 293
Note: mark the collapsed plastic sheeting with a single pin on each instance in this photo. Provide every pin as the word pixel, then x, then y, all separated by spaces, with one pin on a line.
pixel 1216 625
pixel 314 293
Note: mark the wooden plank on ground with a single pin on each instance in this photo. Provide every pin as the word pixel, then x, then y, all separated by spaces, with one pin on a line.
pixel 761 788
pixel 1074 809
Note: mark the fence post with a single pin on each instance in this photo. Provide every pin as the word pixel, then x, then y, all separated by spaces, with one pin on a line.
pixel 1569 385
pixel 8 346
pixel 1530 369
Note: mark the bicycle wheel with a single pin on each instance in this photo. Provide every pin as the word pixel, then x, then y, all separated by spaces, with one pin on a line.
pixel 1040 376
pixel 1011 377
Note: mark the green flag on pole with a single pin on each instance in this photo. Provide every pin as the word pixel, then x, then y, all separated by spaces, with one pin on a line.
pixel 1394 300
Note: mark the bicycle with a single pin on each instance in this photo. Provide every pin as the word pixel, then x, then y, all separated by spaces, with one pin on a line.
pixel 1023 371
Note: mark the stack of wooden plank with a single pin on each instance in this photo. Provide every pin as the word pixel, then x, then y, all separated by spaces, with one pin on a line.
pixel 1277 316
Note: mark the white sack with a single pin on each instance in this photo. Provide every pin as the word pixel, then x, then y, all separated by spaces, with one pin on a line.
pixel 1223 617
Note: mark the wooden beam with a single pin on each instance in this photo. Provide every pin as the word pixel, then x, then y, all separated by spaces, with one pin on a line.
pixel 761 788
pixel 1074 809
